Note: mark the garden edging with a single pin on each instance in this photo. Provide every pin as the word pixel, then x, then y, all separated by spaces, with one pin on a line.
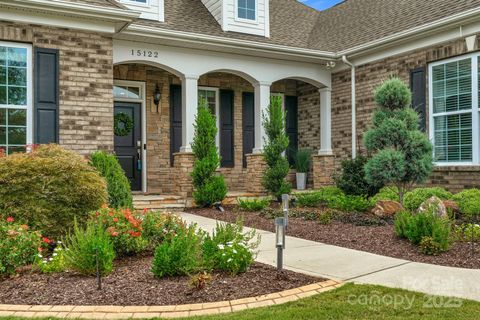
pixel 172 311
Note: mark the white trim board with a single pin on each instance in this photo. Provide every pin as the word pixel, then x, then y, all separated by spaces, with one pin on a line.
pixel 142 89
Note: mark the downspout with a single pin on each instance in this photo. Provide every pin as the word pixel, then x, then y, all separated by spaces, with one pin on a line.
pixel 354 107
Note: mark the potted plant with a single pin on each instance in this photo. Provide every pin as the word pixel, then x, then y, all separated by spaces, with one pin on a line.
pixel 302 165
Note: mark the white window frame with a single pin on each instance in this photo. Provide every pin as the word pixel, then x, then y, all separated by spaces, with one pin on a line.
pixel 142 90
pixel 474 111
pixel 136 3
pixel 29 105
pixel 237 18
pixel 217 109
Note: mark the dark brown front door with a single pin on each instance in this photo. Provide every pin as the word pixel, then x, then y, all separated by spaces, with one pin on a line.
pixel 128 147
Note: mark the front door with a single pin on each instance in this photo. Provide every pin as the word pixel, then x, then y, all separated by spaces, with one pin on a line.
pixel 128 141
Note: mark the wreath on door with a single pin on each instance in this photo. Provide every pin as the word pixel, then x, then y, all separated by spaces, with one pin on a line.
pixel 122 124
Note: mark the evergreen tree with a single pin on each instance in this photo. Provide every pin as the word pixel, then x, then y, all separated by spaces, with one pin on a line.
pixel 208 187
pixel 402 154
pixel 276 143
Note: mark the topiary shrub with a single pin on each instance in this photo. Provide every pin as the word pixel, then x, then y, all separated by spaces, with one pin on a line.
pixel 208 188
pixel 352 179
pixel 118 186
pixel 48 188
pixel 468 201
pixel 274 151
pixel 402 154
pixel 413 199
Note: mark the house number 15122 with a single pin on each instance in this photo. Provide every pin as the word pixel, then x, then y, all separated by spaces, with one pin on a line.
pixel 144 53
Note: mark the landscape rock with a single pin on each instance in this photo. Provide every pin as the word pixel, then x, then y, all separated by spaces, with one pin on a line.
pixel 434 204
pixel 386 208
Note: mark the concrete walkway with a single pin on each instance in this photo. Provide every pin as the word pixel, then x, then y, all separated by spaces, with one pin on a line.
pixel 319 259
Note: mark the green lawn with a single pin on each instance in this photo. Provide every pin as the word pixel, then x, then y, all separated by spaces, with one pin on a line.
pixel 360 302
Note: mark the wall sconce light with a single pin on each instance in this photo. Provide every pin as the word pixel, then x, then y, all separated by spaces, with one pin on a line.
pixel 280 240
pixel 330 64
pixel 157 95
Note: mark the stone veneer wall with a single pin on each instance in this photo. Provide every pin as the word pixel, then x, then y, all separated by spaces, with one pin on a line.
pixel 86 79
pixel 160 172
pixel 371 75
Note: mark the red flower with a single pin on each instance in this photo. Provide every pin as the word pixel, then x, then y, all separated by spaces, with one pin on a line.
pixel 40 249
pixel 10 219
pixel 145 210
pixel 115 219
pixel 135 234
pixel 46 240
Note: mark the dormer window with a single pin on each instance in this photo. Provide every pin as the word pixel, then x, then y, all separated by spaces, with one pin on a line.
pixel 247 9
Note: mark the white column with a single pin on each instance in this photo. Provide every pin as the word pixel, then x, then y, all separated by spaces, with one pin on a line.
pixel 325 122
pixel 262 101
pixel 189 110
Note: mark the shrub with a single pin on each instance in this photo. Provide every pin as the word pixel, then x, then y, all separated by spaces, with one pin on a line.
pixel 416 227
pixel 413 199
pixel 124 228
pixel 180 256
pixel 402 154
pixel 199 281
pixel 303 160
pixel 118 186
pixel 253 204
pixel 274 151
pixel 86 246
pixel 429 246
pixel 386 193
pixel 18 246
pixel 468 201
pixel 208 188
pixel 48 188
pixel 53 262
pixel 352 179
pixel 467 232
pixel 159 227
pixel 229 248
pixel 317 198
pixel 333 198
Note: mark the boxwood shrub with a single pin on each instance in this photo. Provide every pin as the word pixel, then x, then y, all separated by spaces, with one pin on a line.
pixel 468 201
pixel 413 199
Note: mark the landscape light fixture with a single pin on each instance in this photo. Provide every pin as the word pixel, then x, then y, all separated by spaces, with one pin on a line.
pixel 285 202
pixel 280 241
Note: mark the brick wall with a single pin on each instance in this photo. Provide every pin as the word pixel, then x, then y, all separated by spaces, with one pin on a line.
pixel 368 77
pixel 159 171
pixel 86 77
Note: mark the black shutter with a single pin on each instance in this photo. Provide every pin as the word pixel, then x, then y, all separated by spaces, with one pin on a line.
pixel 175 120
pixel 419 102
pixel 291 106
pixel 46 104
pixel 248 119
pixel 226 129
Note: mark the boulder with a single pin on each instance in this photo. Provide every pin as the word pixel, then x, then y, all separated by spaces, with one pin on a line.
pixel 386 208
pixel 435 204
pixel 452 205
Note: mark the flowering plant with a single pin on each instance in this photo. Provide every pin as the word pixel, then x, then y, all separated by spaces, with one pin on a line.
pixel 159 227
pixel 51 261
pixel 234 257
pixel 124 228
pixel 18 245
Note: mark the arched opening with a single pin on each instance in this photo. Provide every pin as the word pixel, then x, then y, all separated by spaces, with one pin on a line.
pixel 156 90
pixel 302 104
pixel 230 96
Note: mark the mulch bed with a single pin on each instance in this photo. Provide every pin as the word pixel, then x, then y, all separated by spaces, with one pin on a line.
pixel 132 283
pixel 378 239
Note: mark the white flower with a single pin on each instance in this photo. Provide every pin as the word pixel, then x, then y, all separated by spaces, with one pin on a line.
pixel 221 246
pixel 234 251
pixel 40 256
pixel 54 255
pixel 59 242
pixel 44 261
pixel 229 260
pixel 230 243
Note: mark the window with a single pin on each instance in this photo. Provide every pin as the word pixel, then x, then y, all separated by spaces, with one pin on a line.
pixel 247 9
pixel 139 1
pixel 126 92
pixel 454 118
pixel 15 97
pixel 212 97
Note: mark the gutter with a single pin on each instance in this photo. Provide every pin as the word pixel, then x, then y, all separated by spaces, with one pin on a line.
pixel 354 106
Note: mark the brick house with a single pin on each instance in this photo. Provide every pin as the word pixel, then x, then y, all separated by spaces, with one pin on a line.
pixel 69 68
